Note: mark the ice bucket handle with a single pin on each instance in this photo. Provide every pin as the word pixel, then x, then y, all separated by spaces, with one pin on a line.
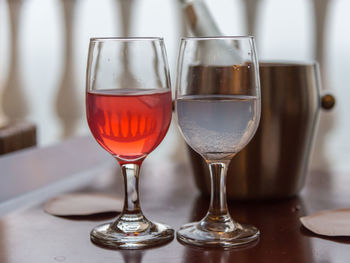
pixel 327 101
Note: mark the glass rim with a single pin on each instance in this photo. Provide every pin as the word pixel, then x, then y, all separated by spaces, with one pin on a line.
pixel 217 37
pixel 97 39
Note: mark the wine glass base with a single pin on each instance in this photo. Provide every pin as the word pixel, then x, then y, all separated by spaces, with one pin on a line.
pixel 155 235
pixel 194 234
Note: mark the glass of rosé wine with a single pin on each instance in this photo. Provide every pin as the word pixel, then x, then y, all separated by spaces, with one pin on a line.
pixel 129 109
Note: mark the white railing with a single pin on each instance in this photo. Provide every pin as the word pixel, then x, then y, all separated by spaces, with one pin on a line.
pixel 69 96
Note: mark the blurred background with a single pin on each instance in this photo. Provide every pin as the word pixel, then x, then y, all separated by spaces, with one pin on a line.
pixel 44 44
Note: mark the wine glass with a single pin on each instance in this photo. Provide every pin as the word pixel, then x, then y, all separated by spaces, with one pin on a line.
pixel 218 112
pixel 129 108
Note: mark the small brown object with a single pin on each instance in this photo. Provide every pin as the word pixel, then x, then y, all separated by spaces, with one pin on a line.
pixel 17 136
pixel 327 101
pixel 81 204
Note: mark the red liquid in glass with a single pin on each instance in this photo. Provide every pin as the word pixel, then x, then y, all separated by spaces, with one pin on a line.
pixel 129 123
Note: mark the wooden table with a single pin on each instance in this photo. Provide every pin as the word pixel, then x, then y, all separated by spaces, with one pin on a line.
pixel 168 195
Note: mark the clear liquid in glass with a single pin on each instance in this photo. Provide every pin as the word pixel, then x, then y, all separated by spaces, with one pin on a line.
pixel 217 126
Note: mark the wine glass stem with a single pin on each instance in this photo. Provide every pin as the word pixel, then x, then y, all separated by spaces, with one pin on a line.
pixel 131 219
pixel 218 212
pixel 131 188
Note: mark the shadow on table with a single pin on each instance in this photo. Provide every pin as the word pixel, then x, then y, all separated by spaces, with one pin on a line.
pixel 95 217
pixel 132 256
pixel 280 240
pixel 338 239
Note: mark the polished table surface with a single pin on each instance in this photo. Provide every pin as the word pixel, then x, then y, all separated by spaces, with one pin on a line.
pixel 168 194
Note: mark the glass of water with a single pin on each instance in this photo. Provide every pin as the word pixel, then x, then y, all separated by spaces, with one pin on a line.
pixel 218 112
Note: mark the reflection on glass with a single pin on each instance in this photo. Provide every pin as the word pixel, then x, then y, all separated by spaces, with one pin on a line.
pixel 275 219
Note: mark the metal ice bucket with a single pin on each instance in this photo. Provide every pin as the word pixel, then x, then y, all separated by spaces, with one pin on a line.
pixel 275 163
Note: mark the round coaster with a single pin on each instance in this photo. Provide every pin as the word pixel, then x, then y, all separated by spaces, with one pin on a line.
pixel 329 223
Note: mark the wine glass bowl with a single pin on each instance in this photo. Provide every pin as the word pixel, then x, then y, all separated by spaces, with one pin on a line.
pixel 129 108
pixel 129 127
pixel 218 112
